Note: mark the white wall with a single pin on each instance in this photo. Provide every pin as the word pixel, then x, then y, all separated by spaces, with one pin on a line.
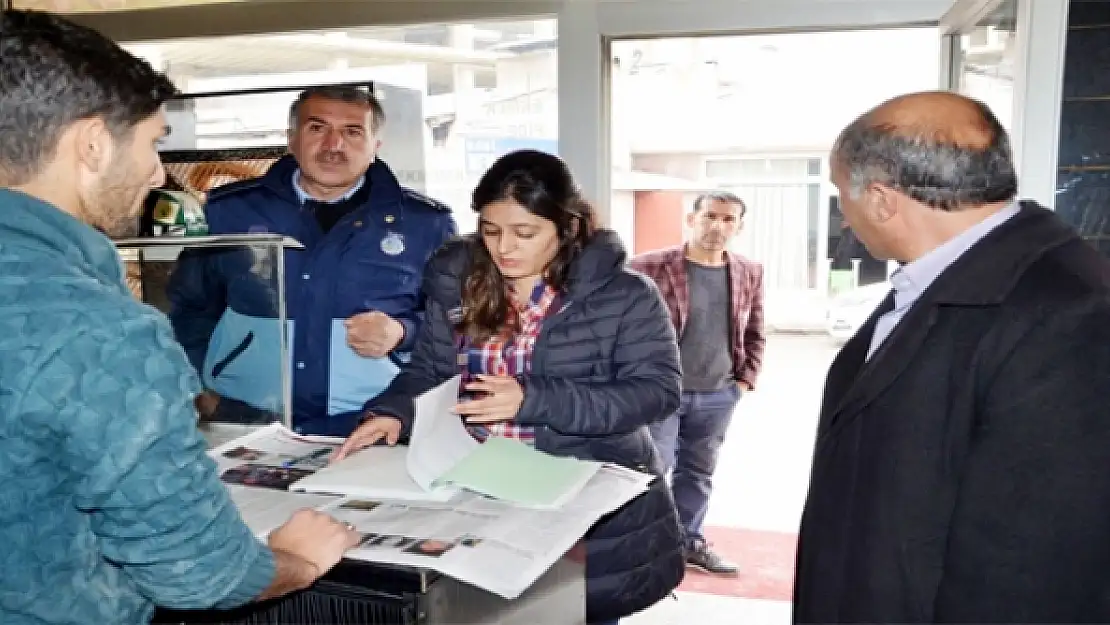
pixel 528 72
pixel 761 93
pixel 623 221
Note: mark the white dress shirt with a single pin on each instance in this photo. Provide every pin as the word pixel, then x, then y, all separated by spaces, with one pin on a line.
pixel 911 280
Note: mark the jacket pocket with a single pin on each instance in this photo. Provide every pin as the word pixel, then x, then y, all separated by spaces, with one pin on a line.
pixel 219 367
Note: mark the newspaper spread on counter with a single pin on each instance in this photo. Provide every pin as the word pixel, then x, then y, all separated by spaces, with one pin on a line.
pixel 259 467
pixel 491 544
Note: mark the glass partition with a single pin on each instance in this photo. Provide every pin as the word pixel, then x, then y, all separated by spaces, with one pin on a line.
pixel 239 348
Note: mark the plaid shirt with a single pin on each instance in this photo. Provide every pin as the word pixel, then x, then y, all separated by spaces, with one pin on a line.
pixel 747 339
pixel 506 354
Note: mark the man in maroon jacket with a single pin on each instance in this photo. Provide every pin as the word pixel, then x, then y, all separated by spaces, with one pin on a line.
pixel 715 299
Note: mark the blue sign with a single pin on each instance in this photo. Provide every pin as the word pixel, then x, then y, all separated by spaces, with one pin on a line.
pixel 481 152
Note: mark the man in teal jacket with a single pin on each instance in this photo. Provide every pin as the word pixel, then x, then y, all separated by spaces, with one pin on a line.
pixel 108 503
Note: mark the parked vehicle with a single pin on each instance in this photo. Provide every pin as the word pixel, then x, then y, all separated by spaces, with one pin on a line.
pixel 849 310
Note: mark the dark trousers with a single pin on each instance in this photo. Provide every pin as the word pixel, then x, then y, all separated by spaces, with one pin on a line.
pixel 689 441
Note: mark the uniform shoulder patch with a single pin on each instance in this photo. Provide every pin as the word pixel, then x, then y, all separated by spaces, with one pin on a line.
pixel 233 188
pixel 420 198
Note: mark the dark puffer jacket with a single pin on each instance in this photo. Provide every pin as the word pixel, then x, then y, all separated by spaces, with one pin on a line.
pixel 604 367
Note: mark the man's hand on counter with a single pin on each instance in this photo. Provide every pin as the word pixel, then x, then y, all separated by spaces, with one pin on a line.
pixel 306 547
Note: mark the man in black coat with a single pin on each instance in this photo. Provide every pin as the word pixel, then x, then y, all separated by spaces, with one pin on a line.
pixel 962 465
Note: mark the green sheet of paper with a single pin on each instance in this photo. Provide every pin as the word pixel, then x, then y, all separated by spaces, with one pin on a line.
pixel 512 471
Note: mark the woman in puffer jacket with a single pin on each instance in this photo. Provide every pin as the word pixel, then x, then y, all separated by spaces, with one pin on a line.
pixel 560 346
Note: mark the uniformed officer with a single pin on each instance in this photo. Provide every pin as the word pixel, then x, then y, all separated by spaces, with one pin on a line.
pixel 353 295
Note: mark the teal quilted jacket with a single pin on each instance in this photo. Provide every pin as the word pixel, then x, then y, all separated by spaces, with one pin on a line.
pixel 108 503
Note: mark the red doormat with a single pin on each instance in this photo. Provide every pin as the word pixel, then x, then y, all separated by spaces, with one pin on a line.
pixel 766 562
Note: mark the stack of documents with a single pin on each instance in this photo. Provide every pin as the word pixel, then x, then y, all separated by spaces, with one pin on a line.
pixel 442 458
pixel 511 471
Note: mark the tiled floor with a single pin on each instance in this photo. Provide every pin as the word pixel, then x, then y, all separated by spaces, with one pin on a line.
pixel 700 609
pixel 758 495
pixel 767 560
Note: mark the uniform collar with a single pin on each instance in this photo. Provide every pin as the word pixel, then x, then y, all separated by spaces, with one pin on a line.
pixel 304 196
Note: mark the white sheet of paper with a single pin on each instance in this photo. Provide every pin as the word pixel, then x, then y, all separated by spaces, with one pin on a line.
pixel 264 510
pixel 511 547
pixel 439 439
pixel 377 472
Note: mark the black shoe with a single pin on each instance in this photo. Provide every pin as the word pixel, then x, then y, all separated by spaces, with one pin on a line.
pixel 700 556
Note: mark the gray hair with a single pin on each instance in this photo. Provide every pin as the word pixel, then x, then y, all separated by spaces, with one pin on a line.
pixel 927 165
pixel 340 93
pixel 724 197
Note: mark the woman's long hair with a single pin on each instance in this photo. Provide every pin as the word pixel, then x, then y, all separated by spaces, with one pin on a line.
pixel 542 184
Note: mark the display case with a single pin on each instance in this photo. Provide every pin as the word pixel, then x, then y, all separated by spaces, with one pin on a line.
pixel 251 373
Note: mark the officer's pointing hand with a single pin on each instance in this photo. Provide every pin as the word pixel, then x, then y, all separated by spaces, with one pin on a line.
pixel 373 334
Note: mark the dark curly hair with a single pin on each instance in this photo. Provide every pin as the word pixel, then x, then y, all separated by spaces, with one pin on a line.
pixel 543 185
pixel 54 73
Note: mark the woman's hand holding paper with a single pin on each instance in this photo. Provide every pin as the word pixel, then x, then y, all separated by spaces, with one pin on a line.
pixel 500 397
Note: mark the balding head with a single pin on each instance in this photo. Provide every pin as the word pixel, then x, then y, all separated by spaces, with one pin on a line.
pixel 938 148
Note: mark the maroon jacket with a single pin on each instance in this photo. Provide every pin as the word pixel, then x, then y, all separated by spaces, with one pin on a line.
pixel 667 268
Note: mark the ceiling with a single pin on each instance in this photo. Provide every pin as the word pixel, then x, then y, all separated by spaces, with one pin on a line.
pixel 101 6
pixel 145 20
pixel 303 52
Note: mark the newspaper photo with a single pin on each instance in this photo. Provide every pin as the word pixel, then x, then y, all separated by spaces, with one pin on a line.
pixel 259 468
pixel 276 447
pixel 490 544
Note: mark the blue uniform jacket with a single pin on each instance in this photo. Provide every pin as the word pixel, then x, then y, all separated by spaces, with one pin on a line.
pixel 224 311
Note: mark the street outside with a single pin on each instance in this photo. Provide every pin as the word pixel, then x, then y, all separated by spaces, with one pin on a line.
pixel 764 465
pixel 758 494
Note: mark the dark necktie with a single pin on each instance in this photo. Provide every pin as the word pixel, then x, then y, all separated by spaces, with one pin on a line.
pixel 884 307
pixel 852 359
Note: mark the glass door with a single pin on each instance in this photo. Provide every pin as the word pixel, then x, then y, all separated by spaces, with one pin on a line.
pixel 979 53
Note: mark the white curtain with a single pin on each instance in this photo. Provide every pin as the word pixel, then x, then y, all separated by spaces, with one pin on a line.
pixel 776 232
